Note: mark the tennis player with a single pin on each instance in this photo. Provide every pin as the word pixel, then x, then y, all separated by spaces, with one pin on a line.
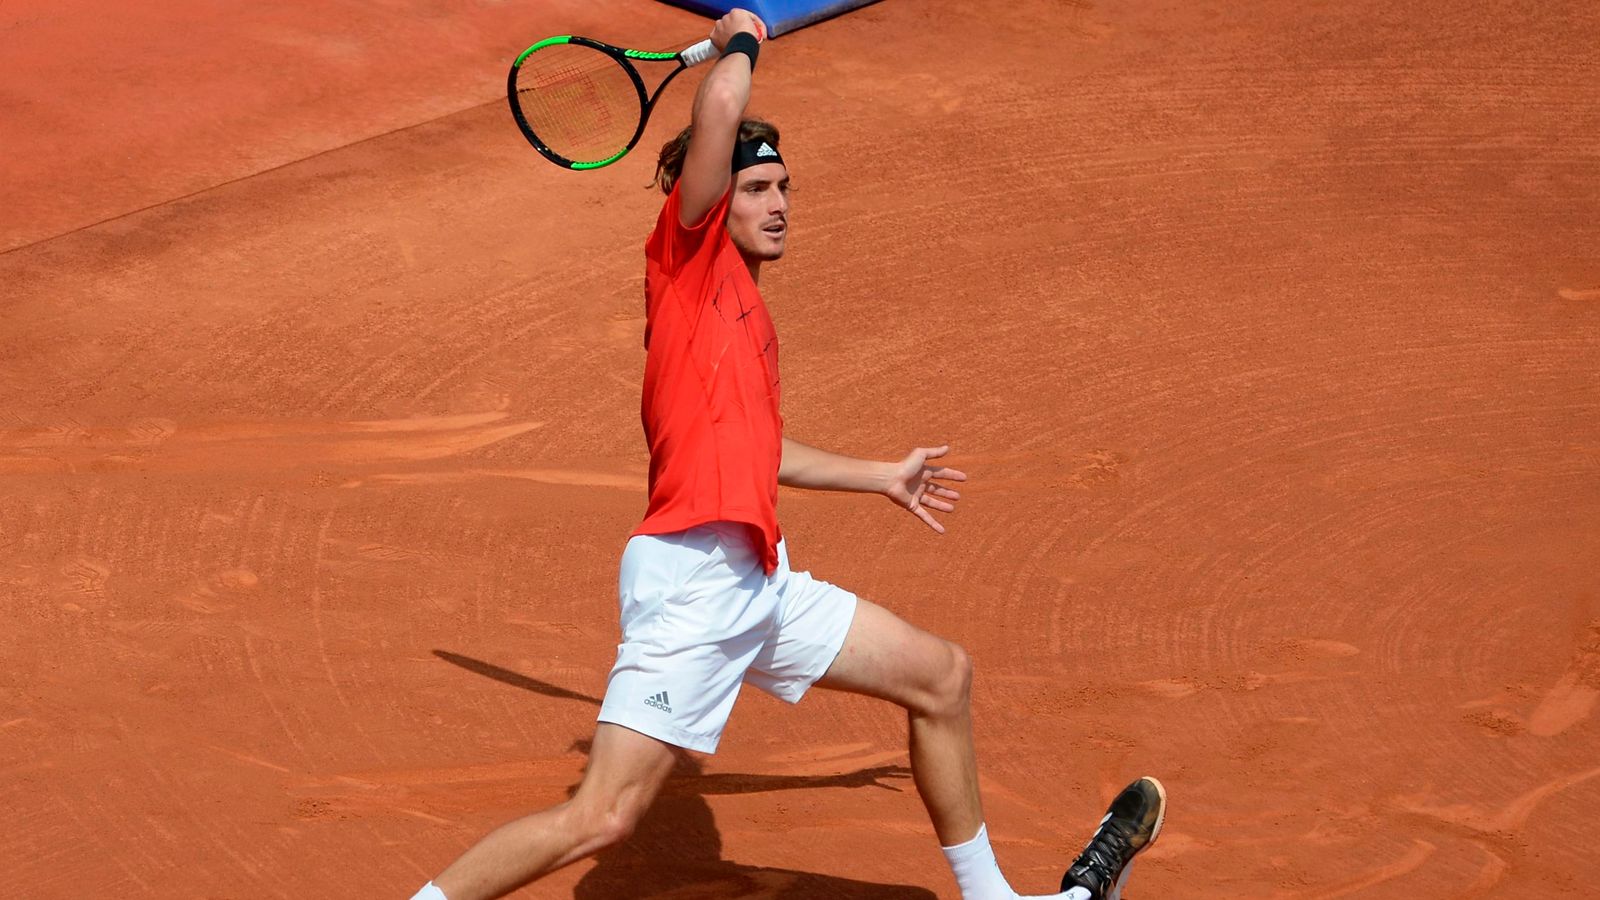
pixel 708 599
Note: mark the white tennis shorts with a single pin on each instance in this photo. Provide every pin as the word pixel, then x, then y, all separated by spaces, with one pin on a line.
pixel 700 616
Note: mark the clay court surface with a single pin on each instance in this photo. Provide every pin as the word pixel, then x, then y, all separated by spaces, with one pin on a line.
pixel 1268 334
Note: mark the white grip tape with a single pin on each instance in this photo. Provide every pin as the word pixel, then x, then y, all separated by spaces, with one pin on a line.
pixel 699 53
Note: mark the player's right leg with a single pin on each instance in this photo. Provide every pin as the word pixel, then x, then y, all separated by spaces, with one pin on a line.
pixel 626 770
pixel 694 613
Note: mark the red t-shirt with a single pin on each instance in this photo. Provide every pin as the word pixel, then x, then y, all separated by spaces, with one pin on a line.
pixel 710 405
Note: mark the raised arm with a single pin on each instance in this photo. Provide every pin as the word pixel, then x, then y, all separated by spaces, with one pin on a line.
pixel 718 108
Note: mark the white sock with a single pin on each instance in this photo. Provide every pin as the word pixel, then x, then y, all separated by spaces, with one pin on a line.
pixel 978 873
pixel 429 892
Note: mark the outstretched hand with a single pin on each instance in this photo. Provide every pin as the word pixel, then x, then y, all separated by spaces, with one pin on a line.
pixel 915 485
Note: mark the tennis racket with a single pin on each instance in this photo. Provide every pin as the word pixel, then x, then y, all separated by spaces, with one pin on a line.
pixel 582 103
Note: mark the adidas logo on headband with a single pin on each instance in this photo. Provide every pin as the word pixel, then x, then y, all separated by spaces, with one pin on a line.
pixel 754 153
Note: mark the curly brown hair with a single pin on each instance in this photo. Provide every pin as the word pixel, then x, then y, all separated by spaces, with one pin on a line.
pixel 669 165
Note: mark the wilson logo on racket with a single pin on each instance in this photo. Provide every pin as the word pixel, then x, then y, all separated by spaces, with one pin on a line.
pixel 582 103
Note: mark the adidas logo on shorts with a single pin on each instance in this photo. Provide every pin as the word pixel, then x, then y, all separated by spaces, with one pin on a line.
pixel 765 150
pixel 659 701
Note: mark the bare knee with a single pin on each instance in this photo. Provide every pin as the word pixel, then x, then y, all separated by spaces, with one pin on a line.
pixel 599 827
pixel 617 825
pixel 951 693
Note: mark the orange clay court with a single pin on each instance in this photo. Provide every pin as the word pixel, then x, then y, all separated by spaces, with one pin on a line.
pixel 1268 334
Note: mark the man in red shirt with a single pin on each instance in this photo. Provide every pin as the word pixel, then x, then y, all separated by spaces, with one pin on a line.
pixel 708 601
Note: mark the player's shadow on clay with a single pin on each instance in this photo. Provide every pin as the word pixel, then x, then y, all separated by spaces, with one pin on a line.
pixel 676 851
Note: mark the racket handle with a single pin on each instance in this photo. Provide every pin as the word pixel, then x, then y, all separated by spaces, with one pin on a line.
pixel 699 53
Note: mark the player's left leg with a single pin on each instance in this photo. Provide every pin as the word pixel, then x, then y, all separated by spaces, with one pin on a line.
pixel 826 636
pixel 884 656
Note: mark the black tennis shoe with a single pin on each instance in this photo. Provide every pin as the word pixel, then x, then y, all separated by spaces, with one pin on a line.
pixel 1131 824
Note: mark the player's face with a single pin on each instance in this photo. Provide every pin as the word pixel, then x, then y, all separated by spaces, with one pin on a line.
pixel 758 214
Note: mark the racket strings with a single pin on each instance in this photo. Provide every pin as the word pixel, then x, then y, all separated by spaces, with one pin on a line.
pixel 580 102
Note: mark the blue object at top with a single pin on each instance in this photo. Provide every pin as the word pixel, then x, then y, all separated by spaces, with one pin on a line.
pixel 780 15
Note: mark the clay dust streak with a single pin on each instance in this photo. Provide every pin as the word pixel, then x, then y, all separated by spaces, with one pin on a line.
pixel 162 445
